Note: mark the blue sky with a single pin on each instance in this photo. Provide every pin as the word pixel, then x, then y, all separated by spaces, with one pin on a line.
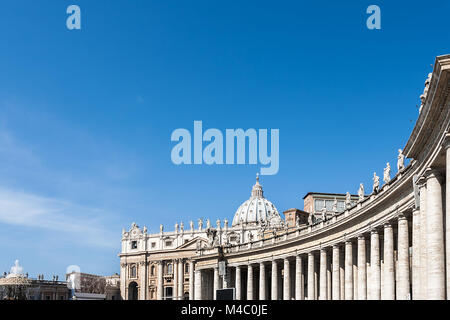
pixel 86 116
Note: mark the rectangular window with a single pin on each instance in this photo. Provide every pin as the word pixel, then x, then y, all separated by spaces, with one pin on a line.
pixel 318 205
pixel 168 243
pixel 133 244
pixel 153 244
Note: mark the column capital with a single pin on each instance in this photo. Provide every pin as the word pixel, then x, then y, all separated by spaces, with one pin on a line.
pixel 402 216
pixel 387 225
pixel 433 173
pixel 361 237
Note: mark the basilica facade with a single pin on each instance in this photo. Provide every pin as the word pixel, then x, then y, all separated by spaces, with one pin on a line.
pixel 390 243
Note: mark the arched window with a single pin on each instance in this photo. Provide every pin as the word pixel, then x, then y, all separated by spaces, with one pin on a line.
pixel 133 271
pixel 169 268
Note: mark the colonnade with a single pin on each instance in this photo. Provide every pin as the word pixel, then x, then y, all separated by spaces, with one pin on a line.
pixel 372 266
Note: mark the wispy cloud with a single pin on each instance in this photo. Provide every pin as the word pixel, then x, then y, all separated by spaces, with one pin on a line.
pixel 82 223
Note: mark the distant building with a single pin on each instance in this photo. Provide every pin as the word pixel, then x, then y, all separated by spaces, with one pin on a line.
pixel 85 286
pixel 16 285
pixel 315 202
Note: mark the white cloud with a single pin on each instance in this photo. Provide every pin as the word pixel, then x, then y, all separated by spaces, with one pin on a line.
pixel 81 223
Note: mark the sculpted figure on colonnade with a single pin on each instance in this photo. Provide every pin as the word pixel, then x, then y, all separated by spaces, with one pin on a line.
pixel 423 97
pixel 161 228
pixel 334 207
pixel 401 160
pixel 225 223
pixel 208 224
pixel 361 192
pixel 348 200
pixel 387 173
pixel 200 224
pixel 324 213
pixel 191 224
pixel 376 183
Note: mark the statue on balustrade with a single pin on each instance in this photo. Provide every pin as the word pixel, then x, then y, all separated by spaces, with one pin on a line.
pixel 387 173
pixel 361 192
pixel 324 213
pixel 334 207
pixel 376 183
pixel 400 161
pixel 424 95
pixel 348 200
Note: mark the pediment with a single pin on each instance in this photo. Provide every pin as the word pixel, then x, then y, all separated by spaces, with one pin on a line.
pixel 192 244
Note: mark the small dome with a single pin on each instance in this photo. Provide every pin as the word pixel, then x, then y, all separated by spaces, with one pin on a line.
pixel 257 209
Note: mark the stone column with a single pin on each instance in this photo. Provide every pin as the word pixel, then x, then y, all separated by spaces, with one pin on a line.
pixel 335 275
pixel 348 270
pixel 250 282
pixel 175 280
pixel 262 281
pixel 447 213
pixel 323 275
pixel 198 285
pixel 286 280
pixel 362 273
pixel 191 280
pixel 311 286
pixel 403 259
pixel 216 282
pixel 238 283
pixel 274 293
pixel 160 288
pixel 435 238
pixel 375 293
pixel 299 289
pixel 423 240
pixel 416 255
pixel 388 271
pixel 180 280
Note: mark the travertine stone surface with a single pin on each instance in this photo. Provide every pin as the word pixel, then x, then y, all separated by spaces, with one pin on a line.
pixel 403 260
pixel 362 275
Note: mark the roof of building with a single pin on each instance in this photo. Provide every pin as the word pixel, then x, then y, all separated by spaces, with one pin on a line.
pixel 328 194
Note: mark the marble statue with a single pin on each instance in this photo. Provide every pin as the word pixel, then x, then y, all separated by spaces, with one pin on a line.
pixel 401 160
pixel 16 269
pixel 208 224
pixel 324 213
pixel 191 224
pixel 348 200
pixel 225 223
pixel 310 219
pixel 134 225
pixel 334 207
pixel 161 228
pixel 376 183
pixel 424 95
pixel 218 223
pixel 200 224
pixel 176 227
pixel 361 192
pixel 387 173
pixel 181 227
pixel 144 230
pixel 211 234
